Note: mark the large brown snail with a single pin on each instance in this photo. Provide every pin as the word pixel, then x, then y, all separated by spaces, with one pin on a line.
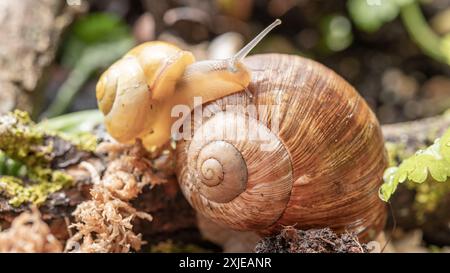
pixel 303 149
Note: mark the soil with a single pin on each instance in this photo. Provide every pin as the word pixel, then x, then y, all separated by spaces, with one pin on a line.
pixel 324 240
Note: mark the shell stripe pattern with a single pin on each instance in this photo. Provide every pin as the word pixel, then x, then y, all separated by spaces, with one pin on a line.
pixel 325 161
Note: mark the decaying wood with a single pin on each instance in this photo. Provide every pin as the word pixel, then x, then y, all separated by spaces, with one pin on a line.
pixel 29 35
pixel 171 212
pixel 416 134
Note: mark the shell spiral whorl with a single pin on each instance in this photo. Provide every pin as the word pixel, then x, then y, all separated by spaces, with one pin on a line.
pixel 212 172
pixel 222 171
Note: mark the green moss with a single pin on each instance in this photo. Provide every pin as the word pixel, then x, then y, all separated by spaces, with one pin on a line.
pixel 21 141
pixel 83 140
pixel 428 197
pixel 24 144
pixel 37 192
pixel 45 181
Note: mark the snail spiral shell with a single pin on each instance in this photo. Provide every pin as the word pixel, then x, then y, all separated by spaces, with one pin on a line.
pixel 322 166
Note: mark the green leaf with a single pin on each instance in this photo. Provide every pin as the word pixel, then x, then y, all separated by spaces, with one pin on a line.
pixel 431 164
pixel 76 122
pixel 389 186
pixel 445 147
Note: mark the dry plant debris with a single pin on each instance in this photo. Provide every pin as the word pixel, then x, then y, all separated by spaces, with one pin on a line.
pixel 291 240
pixel 104 224
pixel 29 234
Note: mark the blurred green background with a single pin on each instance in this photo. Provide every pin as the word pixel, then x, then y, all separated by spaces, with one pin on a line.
pixel 395 52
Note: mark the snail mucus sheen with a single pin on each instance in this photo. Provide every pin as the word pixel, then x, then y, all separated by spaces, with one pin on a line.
pixel 318 156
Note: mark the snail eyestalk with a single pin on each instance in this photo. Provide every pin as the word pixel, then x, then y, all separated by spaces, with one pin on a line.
pixel 246 49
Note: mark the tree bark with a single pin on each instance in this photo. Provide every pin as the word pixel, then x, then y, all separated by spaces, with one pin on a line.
pixel 416 134
pixel 30 31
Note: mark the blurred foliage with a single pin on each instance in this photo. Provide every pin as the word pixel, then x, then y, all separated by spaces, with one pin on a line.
pixel 370 15
pixel 395 153
pixel 11 167
pixel 419 30
pixel 316 29
pixel 428 196
pixel 75 127
pixel 73 123
pixel 337 32
pixel 276 43
pixel 89 31
pixel 445 47
pixel 431 164
pixel 96 41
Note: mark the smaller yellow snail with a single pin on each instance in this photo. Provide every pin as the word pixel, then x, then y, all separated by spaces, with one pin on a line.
pixel 137 93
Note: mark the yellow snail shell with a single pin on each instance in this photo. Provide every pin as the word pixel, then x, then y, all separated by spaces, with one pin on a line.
pixel 138 93
pixel 130 93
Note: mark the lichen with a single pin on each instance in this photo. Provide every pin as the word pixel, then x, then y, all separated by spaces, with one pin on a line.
pixel 30 147
pixel 83 140
pixel 428 196
pixel 47 182
pixel 21 141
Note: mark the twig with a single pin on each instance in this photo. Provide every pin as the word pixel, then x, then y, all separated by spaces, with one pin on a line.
pixel 421 32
